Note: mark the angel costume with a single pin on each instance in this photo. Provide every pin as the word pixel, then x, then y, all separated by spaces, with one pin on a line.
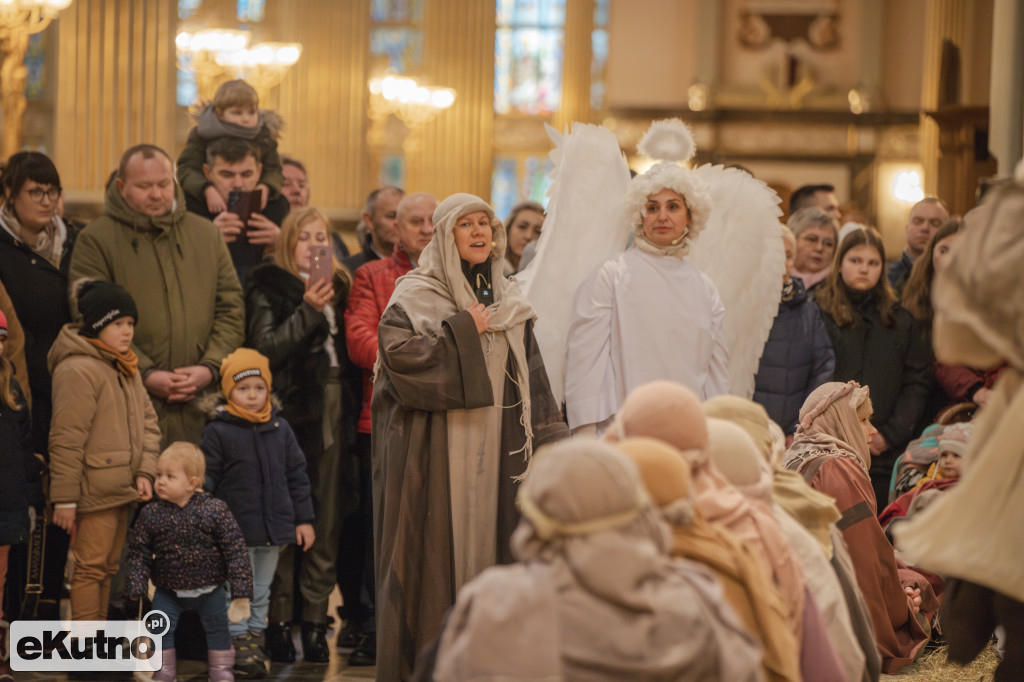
pixel 456 414
pixel 648 314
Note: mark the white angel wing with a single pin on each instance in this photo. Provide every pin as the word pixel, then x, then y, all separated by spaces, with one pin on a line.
pixel 741 251
pixel 585 226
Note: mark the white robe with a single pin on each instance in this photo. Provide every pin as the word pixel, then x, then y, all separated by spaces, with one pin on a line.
pixel 641 317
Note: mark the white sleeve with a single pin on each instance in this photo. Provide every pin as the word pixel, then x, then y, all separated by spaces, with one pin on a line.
pixel 718 370
pixel 590 374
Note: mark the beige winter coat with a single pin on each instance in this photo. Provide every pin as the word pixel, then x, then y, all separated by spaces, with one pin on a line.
pixel 104 431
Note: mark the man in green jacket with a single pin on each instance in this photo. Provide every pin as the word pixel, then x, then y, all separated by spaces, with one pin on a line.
pixel 177 268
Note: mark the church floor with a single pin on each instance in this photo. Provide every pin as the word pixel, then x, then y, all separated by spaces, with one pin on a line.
pixel 195 671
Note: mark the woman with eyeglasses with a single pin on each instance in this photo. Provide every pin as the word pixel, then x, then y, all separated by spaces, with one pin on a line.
pixel 35 251
pixel 816 237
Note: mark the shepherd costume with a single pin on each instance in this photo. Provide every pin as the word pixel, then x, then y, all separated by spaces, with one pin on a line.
pixel 455 417
pixel 831 452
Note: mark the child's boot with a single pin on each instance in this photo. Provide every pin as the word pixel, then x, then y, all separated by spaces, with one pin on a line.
pixel 169 670
pixel 220 664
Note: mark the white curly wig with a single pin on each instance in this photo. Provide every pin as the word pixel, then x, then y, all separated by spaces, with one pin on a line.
pixel 670 142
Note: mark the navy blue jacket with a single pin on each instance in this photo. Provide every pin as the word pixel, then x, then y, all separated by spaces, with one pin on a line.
pixel 797 359
pixel 260 472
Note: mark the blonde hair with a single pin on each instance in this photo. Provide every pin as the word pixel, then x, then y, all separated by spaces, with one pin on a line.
pixel 788 237
pixel 288 237
pixel 6 387
pixel 190 457
pixel 236 93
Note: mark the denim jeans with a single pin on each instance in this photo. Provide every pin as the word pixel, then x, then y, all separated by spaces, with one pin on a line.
pixel 264 565
pixel 211 607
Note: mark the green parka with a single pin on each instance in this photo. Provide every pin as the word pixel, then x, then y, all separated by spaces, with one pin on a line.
pixel 178 270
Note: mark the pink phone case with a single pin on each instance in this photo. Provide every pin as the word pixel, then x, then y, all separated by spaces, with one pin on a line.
pixel 319 263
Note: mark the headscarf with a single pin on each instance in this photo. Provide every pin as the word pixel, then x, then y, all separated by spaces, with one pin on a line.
pixel 595 589
pixel 665 475
pixel 815 511
pixel 672 413
pixel 747 588
pixel 734 453
pixel 438 289
pixel 973 531
pixel 746 414
pixel 829 423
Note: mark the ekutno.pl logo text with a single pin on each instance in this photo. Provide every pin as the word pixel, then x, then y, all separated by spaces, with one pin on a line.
pixel 89 645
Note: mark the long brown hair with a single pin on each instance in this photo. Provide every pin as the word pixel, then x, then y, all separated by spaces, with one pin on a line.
pixel 917 294
pixel 6 387
pixel 834 298
pixel 288 237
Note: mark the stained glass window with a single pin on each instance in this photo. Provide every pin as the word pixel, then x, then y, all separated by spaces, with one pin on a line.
pixel 516 179
pixel 403 47
pixel 251 11
pixel 401 11
pixel 528 45
pixel 35 65
pixel 392 171
pixel 598 53
pixel 188 90
pixel 187 8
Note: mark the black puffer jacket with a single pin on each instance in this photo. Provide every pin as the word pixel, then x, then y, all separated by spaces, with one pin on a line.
pixel 20 471
pixel 893 361
pixel 291 333
pixel 39 292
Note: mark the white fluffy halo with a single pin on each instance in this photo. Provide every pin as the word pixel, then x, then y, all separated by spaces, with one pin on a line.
pixel 668 140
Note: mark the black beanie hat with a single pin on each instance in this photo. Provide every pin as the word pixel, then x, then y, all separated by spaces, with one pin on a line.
pixel 100 304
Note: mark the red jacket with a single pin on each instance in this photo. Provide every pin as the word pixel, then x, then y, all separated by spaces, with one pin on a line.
pixel 372 286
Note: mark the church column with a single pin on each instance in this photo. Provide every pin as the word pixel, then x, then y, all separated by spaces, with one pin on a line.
pixel 944 20
pixel 454 151
pixel 323 99
pixel 1006 90
pixel 115 85
pixel 576 53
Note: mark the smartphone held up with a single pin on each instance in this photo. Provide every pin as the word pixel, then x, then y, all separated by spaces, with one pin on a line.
pixel 319 263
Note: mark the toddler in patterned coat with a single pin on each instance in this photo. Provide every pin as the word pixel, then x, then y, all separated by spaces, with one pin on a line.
pixel 189 544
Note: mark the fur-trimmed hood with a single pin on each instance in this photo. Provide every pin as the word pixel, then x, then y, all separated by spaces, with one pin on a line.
pixel 211 404
pixel 209 126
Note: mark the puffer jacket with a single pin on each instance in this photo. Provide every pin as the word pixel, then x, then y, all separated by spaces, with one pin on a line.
pixel 260 472
pixel 797 358
pixel 894 362
pixel 20 470
pixel 372 287
pixel 104 432
pixel 193 156
pixel 39 300
pixel 178 271
pixel 185 548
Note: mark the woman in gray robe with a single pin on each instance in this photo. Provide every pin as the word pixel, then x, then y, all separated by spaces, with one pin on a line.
pixel 460 400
